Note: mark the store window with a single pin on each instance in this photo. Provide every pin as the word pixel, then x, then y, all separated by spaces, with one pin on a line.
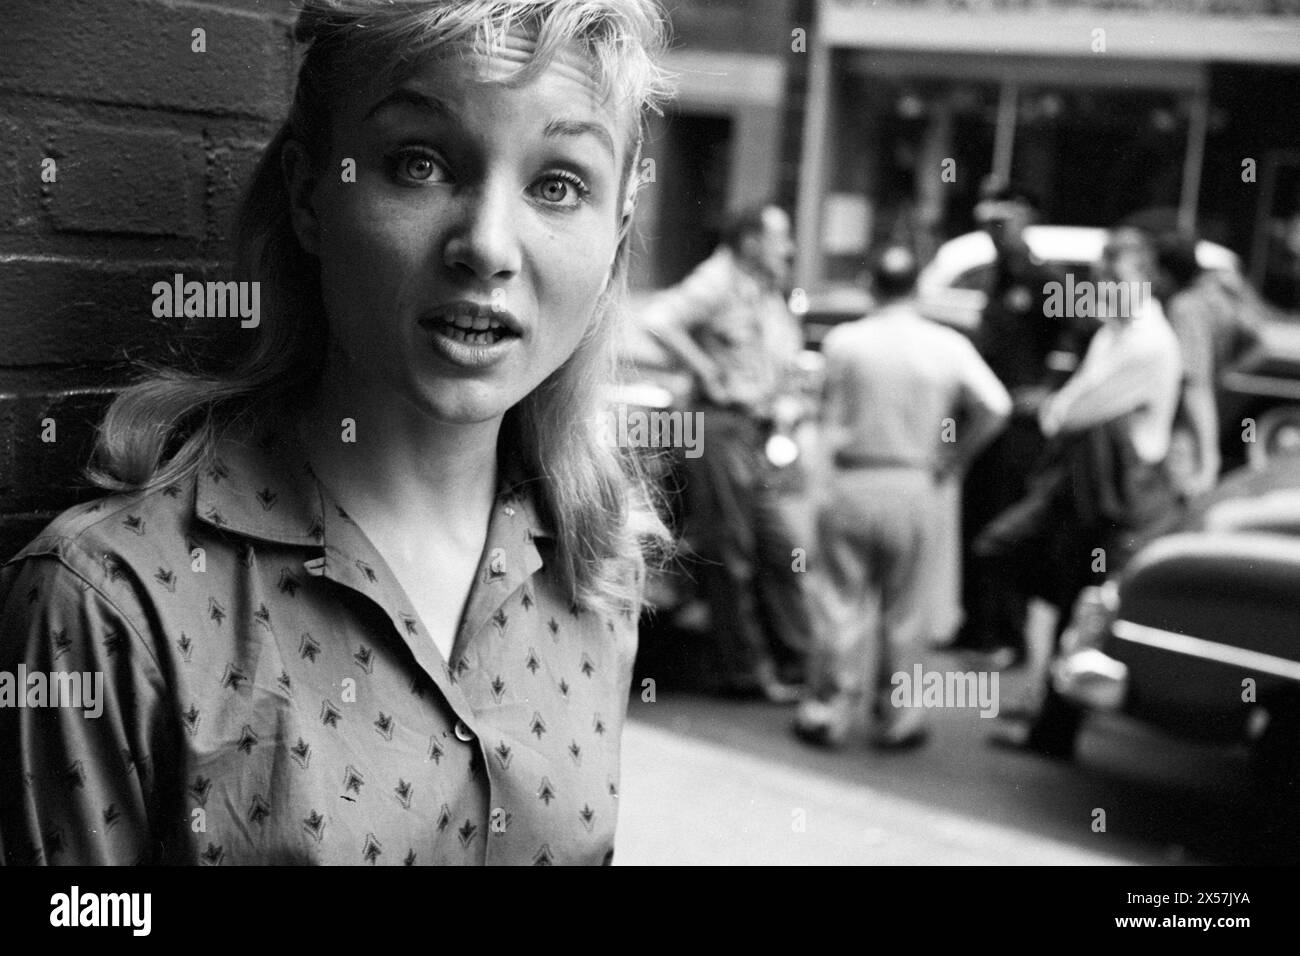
pixel 1095 155
pixel 910 152
pixel 1099 156
pixel 1276 256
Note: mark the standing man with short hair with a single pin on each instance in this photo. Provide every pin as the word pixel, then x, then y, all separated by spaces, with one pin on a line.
pixel 907 401
pixel 729 323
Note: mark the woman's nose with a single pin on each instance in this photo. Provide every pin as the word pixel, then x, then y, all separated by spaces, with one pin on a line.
pixel 485 239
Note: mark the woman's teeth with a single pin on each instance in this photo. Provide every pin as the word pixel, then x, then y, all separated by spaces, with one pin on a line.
pixel 473 329
pixel 478 322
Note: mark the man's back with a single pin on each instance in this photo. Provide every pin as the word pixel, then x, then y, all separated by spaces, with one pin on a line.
pixel 892 380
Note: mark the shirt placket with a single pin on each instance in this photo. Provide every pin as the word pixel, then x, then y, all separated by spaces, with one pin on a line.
pixel 508 561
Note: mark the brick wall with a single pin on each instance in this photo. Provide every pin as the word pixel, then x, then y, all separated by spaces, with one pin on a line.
pixel 151 142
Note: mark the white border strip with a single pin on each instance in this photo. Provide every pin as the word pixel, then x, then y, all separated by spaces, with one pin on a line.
pixel 1206 650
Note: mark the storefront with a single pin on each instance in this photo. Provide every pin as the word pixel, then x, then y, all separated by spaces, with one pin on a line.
pixel 1174 118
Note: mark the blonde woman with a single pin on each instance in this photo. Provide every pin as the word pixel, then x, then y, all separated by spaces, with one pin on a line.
pixel 367 591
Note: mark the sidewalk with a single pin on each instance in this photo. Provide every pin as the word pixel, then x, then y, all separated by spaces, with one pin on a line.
pixel 690 802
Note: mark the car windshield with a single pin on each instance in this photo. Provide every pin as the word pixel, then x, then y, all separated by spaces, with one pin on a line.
pixel 979 277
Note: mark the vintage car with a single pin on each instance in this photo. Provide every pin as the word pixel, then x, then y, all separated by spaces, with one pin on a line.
pixel 1263 390
pixel 1200 634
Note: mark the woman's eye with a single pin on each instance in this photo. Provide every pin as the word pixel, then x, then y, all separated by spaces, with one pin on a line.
pixel 416 167
pixel 562 190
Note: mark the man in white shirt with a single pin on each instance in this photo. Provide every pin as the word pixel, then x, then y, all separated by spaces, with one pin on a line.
pixel 1107 488
pixel 1131 371
pixel 906 402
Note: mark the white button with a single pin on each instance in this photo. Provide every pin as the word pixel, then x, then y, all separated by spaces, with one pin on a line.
pixel 463 733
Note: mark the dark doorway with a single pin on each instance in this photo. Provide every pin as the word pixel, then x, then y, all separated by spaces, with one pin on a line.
pixel 694 172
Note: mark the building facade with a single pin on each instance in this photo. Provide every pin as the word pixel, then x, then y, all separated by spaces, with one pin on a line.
pixel 720 144
pixel 1175 112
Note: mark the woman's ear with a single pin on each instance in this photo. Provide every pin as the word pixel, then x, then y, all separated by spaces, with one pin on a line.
pixel 300 182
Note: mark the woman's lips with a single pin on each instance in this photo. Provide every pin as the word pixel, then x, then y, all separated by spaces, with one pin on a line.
pixel 469 334
pixel 469 315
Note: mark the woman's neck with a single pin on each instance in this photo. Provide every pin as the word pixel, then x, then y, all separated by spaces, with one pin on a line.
pixel 401 474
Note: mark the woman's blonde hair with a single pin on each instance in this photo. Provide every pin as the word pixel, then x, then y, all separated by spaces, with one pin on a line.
pixel 595 496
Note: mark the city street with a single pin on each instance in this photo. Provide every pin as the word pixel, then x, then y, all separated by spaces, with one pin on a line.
pixel 709 781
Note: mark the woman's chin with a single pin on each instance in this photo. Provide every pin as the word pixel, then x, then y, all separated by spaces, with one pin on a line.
pixel 463 404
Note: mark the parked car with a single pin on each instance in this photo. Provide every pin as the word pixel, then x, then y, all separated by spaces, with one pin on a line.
pixel 1264 390
pixel 1200 634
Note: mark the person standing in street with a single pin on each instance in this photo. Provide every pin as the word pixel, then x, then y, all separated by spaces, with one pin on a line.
pixel 730 325
pixel 1216 319
pixel 1107 488
pixel 907 402
pixel 1030 354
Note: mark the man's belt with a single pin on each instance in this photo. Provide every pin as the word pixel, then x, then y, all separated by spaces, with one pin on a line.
pixel 853 459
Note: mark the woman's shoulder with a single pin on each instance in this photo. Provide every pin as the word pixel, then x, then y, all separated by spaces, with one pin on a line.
pixel 94 557
pixel 84 585
pixel 158 524
pixel 127 524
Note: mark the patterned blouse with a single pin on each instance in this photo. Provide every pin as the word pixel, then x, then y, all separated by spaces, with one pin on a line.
pixel 269 695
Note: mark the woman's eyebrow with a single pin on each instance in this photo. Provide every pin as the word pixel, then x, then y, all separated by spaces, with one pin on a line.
pixel 569 127
pixel 402 96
